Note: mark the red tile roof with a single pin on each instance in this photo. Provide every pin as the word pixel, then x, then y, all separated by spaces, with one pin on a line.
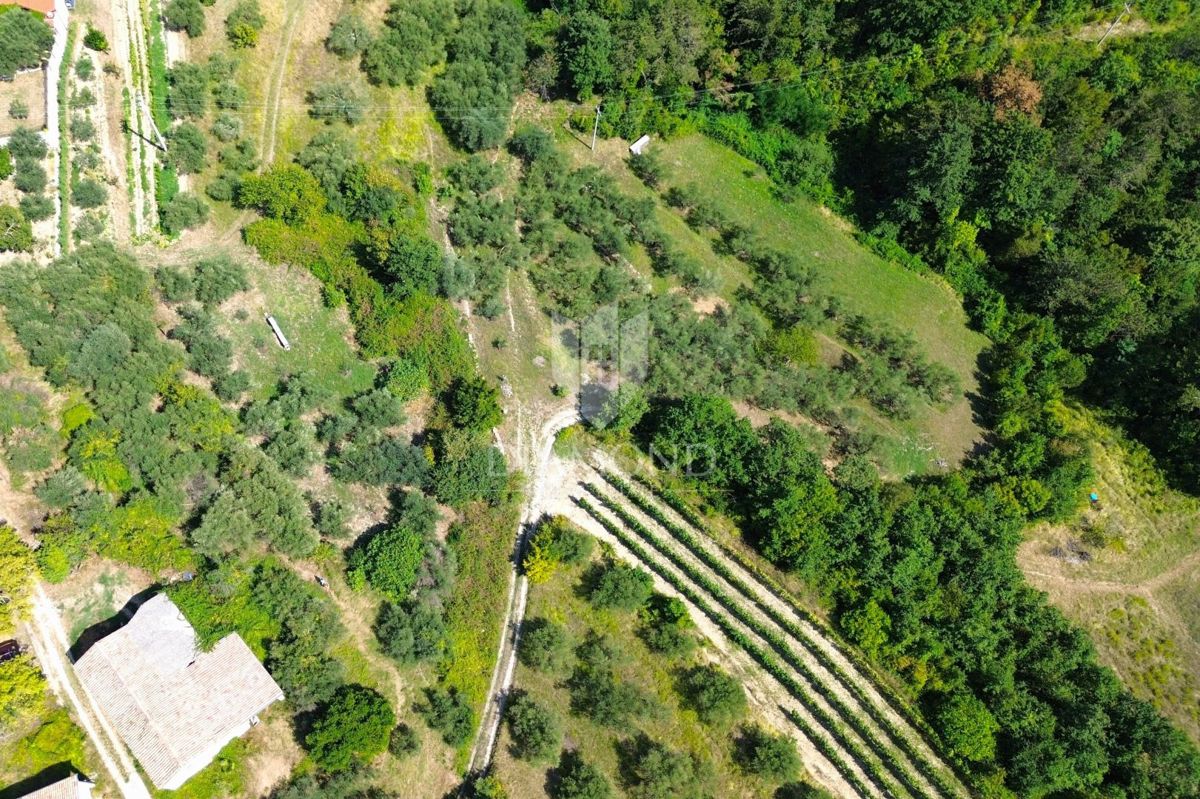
pixel 40 6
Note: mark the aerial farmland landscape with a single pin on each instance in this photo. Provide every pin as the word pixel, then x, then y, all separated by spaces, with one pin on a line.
pixel 599 399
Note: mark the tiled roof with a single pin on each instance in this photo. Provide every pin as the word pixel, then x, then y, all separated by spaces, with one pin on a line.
pixel 170 703
pixel 40 6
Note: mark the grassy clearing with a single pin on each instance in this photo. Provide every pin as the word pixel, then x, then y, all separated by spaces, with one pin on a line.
pixel 935 437
pixel 867 284
pixel 561 601
pixel 1141 528
pixel 397 123
pixel 321 337
pixel 1139 594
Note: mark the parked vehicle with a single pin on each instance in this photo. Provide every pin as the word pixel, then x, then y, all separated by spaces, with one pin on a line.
pixel 9 649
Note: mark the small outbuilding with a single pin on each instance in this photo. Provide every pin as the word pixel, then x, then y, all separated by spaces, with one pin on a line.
pixel 172 704
pixel 70 788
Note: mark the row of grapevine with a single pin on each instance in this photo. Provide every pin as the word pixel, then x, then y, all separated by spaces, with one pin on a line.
pixel 823 739
pixel 886 754
pixel 719 563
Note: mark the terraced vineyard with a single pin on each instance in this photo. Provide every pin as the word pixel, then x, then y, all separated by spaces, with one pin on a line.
pixel 867 734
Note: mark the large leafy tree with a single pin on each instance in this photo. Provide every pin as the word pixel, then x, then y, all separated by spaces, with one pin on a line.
pixel 353 727
pixel 25 41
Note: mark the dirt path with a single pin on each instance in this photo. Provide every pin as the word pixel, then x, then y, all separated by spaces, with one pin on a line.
pixel 518 587
pixel 853 688
pixel 49 642
pixel 770 697
pixel 1144 588
pixel 274 93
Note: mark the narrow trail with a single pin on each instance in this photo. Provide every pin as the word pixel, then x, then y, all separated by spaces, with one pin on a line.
pixel 533 452
pixel 49 643
pixel 1142 588
pixel 275 90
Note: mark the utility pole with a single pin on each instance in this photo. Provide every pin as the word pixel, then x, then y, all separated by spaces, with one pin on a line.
pixel 595 128
pixel 159 141
pixel 1128 8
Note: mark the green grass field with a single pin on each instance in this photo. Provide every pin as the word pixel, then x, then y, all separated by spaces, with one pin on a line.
pixel 321 337
pixel 921 305
pixel 1139 595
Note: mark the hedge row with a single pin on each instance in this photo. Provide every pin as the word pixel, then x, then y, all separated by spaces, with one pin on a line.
pixel 897 703
pixel 64 146
pixel 871 766
pixel 693 544
pixel 156 58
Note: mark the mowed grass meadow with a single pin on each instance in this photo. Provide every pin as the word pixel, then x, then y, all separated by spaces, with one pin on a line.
pixel 921 305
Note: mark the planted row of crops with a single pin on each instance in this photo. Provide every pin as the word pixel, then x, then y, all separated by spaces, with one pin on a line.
pixel 822 739
pixel 719 563
pixel 886 754
pixel 900 705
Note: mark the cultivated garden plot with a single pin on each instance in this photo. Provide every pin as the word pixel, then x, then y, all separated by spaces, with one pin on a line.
pixel 863 729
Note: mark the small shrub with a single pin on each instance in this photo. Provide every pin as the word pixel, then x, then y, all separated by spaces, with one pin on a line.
pixel 772 757
pixel 30 177
pixel 16 234
pixel 82 129
pixel 36 207
pixel 88 193
pixel 535 729
pixel 25 143
pixel 620 587
pixel 184 211
pixel 332 102
pixel 84 68
pixel 448 712
pixel 543 646
pixel 243 24
pixel 95 40
pixel 227 127
pixel 716 697
pixel 18 109
pixel 403 741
